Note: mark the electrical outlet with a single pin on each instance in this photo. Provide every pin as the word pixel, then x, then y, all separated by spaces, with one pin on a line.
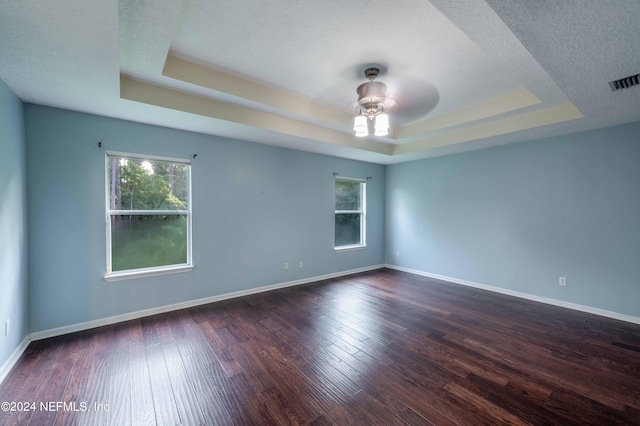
pixel 6 327
pixel 286 265
pixel 397 253
pixel 562 281
pixel 301 264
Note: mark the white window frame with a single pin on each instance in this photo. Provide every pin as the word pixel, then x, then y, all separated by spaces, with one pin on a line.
pixel 111 276
pixel 362 212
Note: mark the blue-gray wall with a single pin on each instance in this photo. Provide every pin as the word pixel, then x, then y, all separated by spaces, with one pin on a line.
pixel 520 216
pixel 254 208
pixel 13 223
pixel 515 217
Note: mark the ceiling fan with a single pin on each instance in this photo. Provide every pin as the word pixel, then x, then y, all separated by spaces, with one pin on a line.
pixel 374 105
pixel 410 100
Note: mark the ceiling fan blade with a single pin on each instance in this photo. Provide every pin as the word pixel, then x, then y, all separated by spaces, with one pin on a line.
pixel 415 98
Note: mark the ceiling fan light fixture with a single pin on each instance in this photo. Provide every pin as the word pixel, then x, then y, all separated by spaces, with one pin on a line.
pixel 382 125
pixel 360 126
pixel 374 104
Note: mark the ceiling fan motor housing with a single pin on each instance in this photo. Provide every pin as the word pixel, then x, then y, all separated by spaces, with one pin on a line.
pixel 371 92
pixel 372 95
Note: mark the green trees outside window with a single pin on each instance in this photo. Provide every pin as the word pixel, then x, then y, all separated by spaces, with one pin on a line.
pixel 148 212
pixel 349 213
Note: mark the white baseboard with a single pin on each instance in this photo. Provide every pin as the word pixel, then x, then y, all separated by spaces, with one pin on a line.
pixel 188 304
pixel 13 359
pixel 547 300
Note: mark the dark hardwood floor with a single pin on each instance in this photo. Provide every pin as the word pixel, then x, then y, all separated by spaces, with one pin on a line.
pixel 376 348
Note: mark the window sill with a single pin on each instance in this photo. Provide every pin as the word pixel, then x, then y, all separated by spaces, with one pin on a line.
pixel 352 247
pixel 142 273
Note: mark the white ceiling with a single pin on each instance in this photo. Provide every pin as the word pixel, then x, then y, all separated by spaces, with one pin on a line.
pixel 467 74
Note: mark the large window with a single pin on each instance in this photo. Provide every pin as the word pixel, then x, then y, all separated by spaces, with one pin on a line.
pixel 148 215
pixel 350 213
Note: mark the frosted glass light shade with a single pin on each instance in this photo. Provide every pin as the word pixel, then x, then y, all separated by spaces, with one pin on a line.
pixel 360 126
pixel 382 125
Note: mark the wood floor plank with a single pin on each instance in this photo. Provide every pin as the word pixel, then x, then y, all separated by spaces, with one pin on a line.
pixel 533 410
pixel 165 405
pixel 382 347
pixel 410 417
pixel 218 340
pixel 283 412
pixel 142 407
pixel 291 383
pixel 590 383
pixel 483 410
pixel 52 386
pixel 141 394
pixel 207 391
pixel 253 404
pixel 183 394
pixel 119 397
pixel 97 390
pixel 75 389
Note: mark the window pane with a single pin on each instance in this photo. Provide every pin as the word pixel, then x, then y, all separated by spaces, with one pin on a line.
pixel 137 184
pixel 142 241
pixel 347 195
pixel 347 229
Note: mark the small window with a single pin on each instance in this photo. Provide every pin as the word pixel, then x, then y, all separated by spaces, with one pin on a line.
pixel 148 215
pixel 350 213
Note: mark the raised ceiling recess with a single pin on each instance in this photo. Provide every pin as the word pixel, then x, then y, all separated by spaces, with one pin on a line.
pixel 463 75
pixel 448 91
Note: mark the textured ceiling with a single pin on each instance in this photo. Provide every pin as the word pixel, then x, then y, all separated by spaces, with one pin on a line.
pixel 466 74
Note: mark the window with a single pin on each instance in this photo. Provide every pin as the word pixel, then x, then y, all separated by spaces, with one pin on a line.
pixel 350 213
pixel 148 215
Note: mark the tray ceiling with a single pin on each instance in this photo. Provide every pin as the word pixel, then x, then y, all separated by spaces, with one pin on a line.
pixel 466 75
